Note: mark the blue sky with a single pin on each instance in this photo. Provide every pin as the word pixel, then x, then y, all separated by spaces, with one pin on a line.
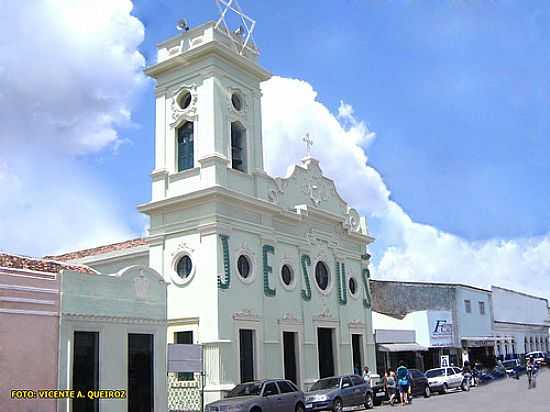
pixel 457 93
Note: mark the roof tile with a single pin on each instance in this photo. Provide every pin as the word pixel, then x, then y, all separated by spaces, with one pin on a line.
pixel 79 254
pixel 11 261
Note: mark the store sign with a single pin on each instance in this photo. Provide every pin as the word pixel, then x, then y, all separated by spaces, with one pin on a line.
pixel 444 361
pixel 441 328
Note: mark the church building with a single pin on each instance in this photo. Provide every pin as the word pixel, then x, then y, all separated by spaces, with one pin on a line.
pixel 269 274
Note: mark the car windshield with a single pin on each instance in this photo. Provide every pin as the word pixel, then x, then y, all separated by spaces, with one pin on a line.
pixel 246 389
pixel 434 373
pixel 509 364
pixel 328 383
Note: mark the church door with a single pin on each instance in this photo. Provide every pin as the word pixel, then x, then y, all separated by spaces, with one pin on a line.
pixel 246 346
pixel 326 352
pixel 289 347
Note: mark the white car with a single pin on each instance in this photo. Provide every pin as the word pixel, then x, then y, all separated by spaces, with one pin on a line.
pixel 443 379
pixel 538 357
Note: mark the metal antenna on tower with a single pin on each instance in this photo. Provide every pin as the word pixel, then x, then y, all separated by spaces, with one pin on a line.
pixel 244 32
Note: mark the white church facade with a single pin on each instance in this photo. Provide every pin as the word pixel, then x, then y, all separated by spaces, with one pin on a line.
pixel 269 275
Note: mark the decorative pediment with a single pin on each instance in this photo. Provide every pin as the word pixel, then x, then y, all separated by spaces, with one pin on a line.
pixel 246 315
pixel 305 188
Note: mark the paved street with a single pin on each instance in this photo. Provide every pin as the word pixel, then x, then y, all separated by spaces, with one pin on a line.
pixel 507 395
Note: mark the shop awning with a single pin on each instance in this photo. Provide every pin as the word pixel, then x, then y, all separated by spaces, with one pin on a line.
pixel 478 341
pixel 402 347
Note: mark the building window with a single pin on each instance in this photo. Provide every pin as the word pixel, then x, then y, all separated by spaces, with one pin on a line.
pixel 468 306
pixel 322 276
pixel 243 266
pixel 287 275
pixel 184 99
pixel 482 308
pixel 352 283
pixel 236 101
pixel 184 267
pixel 238 146
pixel 185 147
pixel 184 338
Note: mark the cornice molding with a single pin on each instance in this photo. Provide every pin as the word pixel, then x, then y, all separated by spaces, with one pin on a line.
pixel 111 319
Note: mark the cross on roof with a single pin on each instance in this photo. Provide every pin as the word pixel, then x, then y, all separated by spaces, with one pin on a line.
pixel 309 142
pixel 244 31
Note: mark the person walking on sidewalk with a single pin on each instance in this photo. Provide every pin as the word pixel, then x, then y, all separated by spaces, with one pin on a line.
pixel 403 383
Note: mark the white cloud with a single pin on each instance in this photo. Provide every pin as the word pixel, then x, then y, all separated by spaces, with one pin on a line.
pixel 410 251
pixel 69 70
pixel 289 111
pixel 55 211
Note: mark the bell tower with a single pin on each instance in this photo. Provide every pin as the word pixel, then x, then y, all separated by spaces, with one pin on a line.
pixel 208 111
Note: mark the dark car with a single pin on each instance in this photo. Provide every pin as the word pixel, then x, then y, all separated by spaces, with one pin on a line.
pixel 380 392
pixel 265 395
pixel 338 392
pixel 420 386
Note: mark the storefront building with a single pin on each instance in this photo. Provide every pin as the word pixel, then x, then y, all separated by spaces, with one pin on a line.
pixel 450 320
pixel 113 336
pixel 394 345
pixel 521 323
pixel 29 329
pixel 83 330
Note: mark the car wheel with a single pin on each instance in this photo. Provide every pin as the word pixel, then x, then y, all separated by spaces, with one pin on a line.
pixel 299 408
pixel 255 409
pixel 427 391
pixel 444 389
pixel 338 406
pixel 369 403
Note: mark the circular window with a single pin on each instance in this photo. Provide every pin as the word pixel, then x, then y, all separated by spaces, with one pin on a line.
pixel 236 101
pixel 243 266
pixel 184 99
pixel 321 276
pixel 184 267
pixel 287 275
pixel 352 283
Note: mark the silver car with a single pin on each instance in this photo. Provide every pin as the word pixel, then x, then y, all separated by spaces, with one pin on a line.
pixel 338 392
pixel 270 395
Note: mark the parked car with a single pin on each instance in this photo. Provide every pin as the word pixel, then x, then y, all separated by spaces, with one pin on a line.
pixel 379 391
pixel 338 392
pixel 261 396
pixel 540 358
pixel 420 384
pixel 442 379
pixel 513 367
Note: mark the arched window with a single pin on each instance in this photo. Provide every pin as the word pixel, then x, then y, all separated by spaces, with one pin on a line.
pixel 238 146
pixel 185 146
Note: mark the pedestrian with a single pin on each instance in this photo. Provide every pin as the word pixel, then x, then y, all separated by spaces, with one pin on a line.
pixel 390 384
pixel 366 374
pixel 403 383
pixel 467 373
